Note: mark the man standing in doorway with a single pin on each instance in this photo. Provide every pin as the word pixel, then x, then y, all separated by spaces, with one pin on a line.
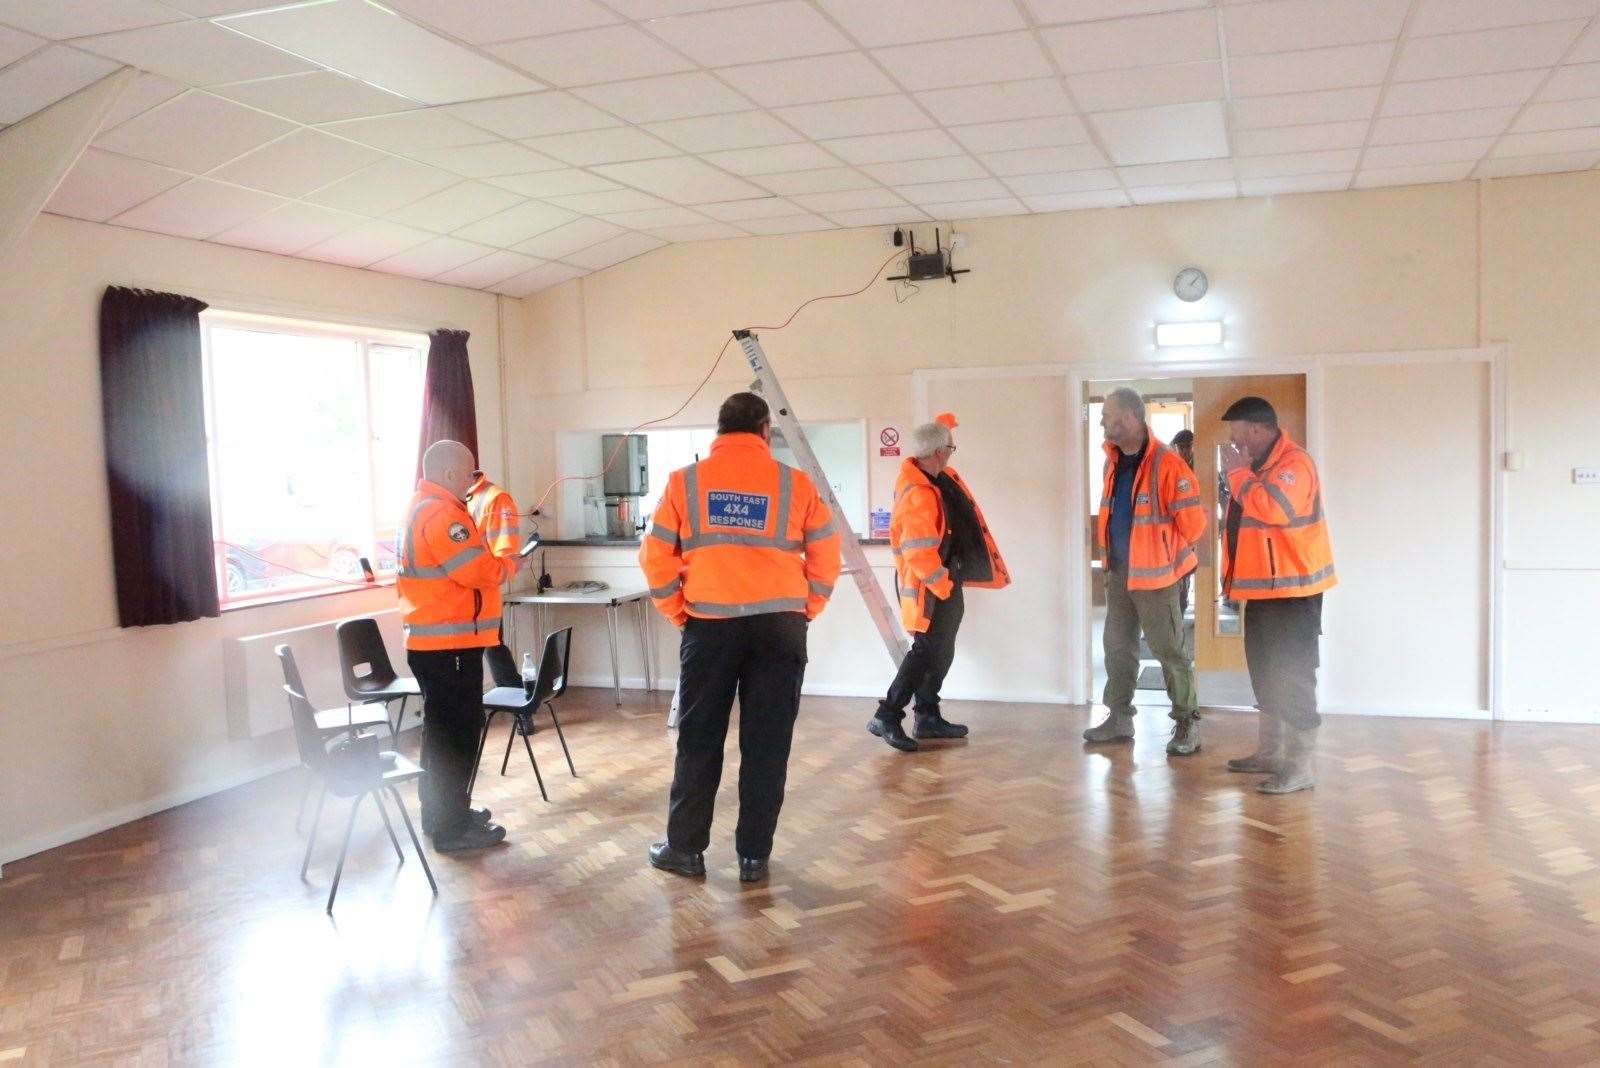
pixel 1279 563
pixel 941 543
pixel 1183 445
pixel 742 555
pixel 1150 521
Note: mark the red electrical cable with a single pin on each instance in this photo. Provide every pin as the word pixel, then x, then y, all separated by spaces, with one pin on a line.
pixel 714 365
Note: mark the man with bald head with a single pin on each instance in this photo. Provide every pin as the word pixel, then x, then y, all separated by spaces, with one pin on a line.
pixel 449 587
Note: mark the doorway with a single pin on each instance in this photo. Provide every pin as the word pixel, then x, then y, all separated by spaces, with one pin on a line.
pixel 1212 631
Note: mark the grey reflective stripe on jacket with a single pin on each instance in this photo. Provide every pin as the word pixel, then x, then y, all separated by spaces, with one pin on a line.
pixel 1160 572
pixel 444 630
pixel 754 608
pixel 1283 582
pixel 669 589
pixel 1314 518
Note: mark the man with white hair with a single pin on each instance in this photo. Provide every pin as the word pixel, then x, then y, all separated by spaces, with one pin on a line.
pixel 941 543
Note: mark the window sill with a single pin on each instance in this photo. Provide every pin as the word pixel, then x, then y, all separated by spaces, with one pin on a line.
pixel 302 595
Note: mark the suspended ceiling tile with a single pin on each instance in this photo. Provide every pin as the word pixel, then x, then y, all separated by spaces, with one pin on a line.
pixel 295 165
pixel 318 97
pixel 194 132
pixel 387 185
pixel 368 42
pixel 196 53
pixel 102 185
pixel 199 208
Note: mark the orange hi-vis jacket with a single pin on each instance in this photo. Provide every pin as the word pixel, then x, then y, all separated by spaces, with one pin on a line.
pixel 739 534
pixel 1283 548
pixel 1168 518
pixel 917 533
pixel 495 513
pixel 449 581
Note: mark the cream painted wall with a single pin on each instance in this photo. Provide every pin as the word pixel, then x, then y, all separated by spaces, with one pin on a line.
pixel 1417 268
pixel 1409 510
pixel 101 725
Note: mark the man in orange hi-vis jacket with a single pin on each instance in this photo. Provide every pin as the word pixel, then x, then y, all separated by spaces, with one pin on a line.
pixel 941 543
pixel 1278 562
pixel 495 512
pixel 742 554
pixel 449 586
pixel 1150 521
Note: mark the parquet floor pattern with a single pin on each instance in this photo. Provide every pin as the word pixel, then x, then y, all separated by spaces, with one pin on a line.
pixel 1018 899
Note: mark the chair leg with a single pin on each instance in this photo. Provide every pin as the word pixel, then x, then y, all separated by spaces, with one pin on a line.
pixel 400 803
pixel 355 806
pixel 511 740
pixel 537 777
pixel 552 707
pixel 483 738
pixel 305 795
pixel 377 799
pixel 311 833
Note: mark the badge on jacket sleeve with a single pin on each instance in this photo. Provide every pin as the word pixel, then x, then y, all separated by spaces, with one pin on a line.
pixel 459 532
pixel 1183 485
pixel 1286 477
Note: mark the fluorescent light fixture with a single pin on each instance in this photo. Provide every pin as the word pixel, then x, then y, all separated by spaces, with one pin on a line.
pixel 1189 335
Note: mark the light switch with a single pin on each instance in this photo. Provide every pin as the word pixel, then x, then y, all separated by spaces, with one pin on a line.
pixel 1586 476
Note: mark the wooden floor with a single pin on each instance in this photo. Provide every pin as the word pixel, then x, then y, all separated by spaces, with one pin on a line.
pixel 1015 900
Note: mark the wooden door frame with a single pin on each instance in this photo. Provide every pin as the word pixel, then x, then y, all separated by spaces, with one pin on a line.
pixel 1076 596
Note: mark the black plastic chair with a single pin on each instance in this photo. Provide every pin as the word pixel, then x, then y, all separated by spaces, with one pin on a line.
pixel 387 772
pixel 512 695
pixel 330 723
pixel 368 676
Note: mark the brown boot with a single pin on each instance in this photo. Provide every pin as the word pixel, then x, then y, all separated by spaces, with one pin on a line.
pixel 1116 727
pixel 1185 737
pixel 1269 749
pixel 1295 773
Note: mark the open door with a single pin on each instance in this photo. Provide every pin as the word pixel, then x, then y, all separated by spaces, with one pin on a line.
pixel 1219 636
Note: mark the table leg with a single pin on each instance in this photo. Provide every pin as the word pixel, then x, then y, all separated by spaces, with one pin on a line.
pixel 616 670
pixel 643 620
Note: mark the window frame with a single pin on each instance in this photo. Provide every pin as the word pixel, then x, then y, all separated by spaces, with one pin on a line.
pixel 364 338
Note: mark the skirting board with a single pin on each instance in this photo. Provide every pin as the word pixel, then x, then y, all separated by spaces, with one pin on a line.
pixel 105 821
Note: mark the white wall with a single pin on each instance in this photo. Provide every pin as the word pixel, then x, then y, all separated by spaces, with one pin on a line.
pixel 99 725
pixel 1407 629
pixel 1419 268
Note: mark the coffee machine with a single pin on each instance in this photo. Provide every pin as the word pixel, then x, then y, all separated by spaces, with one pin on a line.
pixel 615 513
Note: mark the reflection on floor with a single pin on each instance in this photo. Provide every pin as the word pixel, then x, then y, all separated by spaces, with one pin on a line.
pixel 1217 689
pixel 1020 898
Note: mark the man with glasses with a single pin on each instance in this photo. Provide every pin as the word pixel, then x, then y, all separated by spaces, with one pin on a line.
pixel 941 543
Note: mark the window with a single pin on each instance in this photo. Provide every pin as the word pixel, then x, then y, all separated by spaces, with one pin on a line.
pixel 841 449
pixel 312 440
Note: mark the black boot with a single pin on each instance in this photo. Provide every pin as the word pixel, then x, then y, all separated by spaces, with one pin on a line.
pixel 663 856
pixel 472 835
pixel 752 869
pixel 936 726
pixel 888 728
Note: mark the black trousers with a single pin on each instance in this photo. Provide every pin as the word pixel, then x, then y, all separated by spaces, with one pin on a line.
pixel 1281 648
pixel 762 659
pixel 923 670
pixel 452 702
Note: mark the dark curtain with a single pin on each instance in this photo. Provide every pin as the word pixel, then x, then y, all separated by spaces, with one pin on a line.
pixel 153 399
pixel 448 410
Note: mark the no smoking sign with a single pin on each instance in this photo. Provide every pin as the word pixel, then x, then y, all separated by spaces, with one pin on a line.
pixel 889 438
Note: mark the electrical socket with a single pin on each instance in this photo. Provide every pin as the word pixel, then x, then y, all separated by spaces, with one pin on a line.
pixel 1586 476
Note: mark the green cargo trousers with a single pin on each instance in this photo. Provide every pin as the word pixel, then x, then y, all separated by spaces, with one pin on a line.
pixel 1155 612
